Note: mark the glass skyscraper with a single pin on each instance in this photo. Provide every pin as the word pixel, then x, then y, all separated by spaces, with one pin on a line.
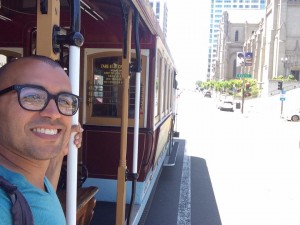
pixel 216 11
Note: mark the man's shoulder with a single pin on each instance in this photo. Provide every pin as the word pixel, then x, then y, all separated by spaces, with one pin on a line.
pixel 5 201
pixel 5 206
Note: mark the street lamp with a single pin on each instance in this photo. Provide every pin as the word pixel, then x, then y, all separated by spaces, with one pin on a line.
pixel 284 60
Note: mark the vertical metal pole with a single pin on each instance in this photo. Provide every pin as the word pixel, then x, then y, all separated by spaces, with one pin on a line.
pixel 243 93
pixel 72 160
pixel 137 93
pixel 281 108
pixel 136 121
pixel 76 40
pixel 243 96
pixel 121 183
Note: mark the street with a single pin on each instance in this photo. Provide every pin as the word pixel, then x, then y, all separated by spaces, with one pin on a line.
pixel 253 158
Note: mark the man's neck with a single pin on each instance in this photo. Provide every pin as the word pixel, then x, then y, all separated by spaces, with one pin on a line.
pixel 33 170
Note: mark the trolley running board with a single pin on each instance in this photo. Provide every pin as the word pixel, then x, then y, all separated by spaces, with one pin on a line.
pixel 171 159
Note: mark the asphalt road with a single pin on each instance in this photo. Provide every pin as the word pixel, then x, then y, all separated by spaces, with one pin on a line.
pixel 252 159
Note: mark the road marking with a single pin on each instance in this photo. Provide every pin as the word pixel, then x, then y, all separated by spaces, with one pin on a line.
pixel 184 206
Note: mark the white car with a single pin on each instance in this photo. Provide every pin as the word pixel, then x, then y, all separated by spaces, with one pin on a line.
pixel 293 115
pixel 226 105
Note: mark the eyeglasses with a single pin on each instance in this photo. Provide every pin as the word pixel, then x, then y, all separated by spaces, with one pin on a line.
pixel 36 98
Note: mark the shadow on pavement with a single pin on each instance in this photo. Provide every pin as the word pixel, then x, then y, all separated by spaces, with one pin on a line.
pixel 164 207
pixel 204 207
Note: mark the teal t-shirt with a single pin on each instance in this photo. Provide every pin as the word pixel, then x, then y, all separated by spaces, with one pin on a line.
pixel 45 206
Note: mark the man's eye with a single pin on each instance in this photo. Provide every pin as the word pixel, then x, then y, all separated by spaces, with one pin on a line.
pixel 33 99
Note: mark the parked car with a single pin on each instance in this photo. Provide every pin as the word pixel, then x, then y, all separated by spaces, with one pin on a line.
pixel 207 94
pixel 226 105
pixel 293 115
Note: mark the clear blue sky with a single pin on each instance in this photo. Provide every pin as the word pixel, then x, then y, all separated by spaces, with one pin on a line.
pixel 188 30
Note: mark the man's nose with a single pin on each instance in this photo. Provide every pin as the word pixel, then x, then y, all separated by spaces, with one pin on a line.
pixel 51 110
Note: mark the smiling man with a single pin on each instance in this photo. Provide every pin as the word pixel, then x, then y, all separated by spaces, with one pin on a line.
pixel 36 106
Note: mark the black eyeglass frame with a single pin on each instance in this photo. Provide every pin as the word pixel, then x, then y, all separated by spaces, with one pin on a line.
pixel 18 88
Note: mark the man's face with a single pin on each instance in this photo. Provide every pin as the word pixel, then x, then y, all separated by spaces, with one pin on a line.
pixel 35 135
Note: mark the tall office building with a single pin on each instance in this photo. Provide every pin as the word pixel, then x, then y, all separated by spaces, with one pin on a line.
pixel 217 8
pixel 161 12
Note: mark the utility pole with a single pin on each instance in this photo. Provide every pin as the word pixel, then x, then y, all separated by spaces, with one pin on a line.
pixel 243 96
pixel 243 88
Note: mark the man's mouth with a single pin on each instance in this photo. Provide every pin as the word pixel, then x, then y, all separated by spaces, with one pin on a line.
pixel 46 131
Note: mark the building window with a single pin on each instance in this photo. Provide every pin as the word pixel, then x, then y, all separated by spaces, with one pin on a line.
pixel 236 35
pixel 234 68
pixel 157 7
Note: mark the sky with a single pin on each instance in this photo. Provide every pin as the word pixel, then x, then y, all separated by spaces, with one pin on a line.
pixel 187 37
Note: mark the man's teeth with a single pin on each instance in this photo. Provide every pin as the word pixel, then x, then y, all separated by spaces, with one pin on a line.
pixel 45 131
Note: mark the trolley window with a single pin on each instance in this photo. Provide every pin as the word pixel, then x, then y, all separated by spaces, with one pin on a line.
pixel 105 90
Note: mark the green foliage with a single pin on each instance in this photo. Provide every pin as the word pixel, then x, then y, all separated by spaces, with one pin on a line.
pixel 232 87
pixel 254 91
pixel 198 83
pixel 290 77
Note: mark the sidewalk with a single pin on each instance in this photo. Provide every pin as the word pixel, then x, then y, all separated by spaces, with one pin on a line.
pixel 270 107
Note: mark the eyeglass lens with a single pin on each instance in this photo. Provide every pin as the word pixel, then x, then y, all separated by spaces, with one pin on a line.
pixel 36 99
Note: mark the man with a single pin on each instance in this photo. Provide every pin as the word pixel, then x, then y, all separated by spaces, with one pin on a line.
pixel 36 106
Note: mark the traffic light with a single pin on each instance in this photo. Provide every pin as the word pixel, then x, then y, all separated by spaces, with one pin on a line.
pixel 280 85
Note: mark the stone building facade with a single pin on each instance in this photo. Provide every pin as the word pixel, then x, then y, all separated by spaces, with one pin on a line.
pixel 273 39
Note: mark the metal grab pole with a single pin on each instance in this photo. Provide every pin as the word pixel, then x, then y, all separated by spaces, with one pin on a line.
pixel 121 182
pixel 72 159
pixel 136 121
pixel 137 92
pixel 136 113
pixel 75 40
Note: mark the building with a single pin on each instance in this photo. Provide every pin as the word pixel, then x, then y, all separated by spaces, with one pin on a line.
pixel 235 28
pixel 161 12
pixel 274 43
pixel 216 13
